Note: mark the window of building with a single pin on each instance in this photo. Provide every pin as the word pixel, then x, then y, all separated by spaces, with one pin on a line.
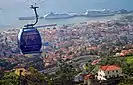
pixel 116 70
pixel 113 76
pixel 112 71
pixel 108 72
pixel 117 75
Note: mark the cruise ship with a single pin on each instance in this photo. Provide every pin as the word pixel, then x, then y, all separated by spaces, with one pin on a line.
pixel 28 18
pixel 99 13
pixel 58 16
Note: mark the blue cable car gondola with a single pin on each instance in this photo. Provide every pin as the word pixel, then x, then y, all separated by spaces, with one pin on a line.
pixel 29 39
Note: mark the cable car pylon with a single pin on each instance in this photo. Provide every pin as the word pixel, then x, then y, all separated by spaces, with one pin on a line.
pixel 29 39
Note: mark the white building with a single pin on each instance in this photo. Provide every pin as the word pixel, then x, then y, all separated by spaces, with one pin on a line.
pixel 109 71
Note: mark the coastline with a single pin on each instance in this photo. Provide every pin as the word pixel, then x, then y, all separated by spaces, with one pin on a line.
pixel 59 23
pixel 2 29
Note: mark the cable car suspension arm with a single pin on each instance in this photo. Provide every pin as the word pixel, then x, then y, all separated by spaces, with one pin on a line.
pixel 36 16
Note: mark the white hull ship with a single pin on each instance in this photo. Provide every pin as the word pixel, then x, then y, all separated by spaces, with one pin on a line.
pixel 58 16
pixel 99 13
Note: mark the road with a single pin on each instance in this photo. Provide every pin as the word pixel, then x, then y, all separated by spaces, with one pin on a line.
pixel 79 60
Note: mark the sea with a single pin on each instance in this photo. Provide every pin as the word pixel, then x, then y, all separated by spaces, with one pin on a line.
pixel 10 10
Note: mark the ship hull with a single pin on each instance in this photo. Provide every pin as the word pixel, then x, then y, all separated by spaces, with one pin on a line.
pixel 58 17
pixel 99 15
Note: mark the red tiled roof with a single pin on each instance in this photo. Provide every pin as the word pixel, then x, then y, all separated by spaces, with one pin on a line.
pixel 88 76
pixel 92 48
pixel 110 68
pixel 126 52
pixel 96 61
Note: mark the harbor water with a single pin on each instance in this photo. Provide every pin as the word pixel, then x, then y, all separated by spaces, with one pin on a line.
pixel 11 10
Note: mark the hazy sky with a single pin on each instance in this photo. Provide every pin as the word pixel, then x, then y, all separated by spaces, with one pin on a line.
pixel 5 3
pixel 12 9
pixel 13 3
pixel 66 5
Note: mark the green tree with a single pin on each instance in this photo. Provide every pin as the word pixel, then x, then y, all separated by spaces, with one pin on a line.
pixel 126 81
pixel 35 77
pixel 9 79
pixel 65 73
pixel 1 74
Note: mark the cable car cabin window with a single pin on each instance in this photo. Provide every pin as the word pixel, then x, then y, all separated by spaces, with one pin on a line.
pixel 30 40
